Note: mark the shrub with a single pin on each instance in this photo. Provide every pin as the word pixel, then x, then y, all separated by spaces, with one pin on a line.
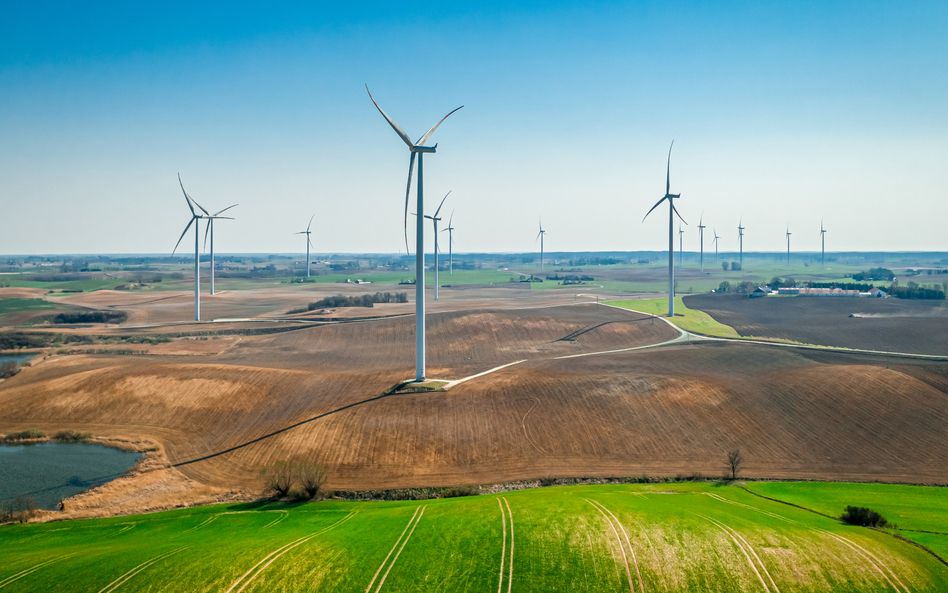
pixel 545 482
pixel 71 436
pixel 724 286
pixel 26 435
pixel 277 478
pixel 863 516
pixel 299 495
pixel 92 317
pixel 310 476
pixel 8 369
pixel 456 491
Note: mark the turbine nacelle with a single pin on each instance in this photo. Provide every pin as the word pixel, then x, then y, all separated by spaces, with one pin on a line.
pixel 424 148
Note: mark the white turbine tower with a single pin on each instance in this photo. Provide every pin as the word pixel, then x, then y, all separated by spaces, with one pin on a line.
pixel 210 229
pixel 450 231
pixel 823 241
pixel 716 245
pixel 420 149
pixel 540 236
pixel 672 211
pixel 701 228
pixel 681 249
pixel 197 261
pixel 434 219
pixel 308 241
pixel 740 238
pixel 788 245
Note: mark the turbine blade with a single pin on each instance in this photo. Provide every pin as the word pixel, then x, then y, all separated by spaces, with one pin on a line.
pixel 653 208
pixel 423 139
pixel 668 171
pixel 411 167
pixel 442 202
pixel 401 133
pixel 310 222
pixel 190 222
pixel 675 210
pixel 310 242
pixel 208 230
pixel 225 209
pixel 450 220
pixel 187 198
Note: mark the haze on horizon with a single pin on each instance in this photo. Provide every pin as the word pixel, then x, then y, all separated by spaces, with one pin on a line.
pixel 785 113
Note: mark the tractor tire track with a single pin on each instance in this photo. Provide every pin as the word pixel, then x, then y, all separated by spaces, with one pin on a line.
pixel 121 580
pixel 629 543
pixel 625 559
pixel 32 569
pixel 510 573
pixel 868 557
pixel 399 553
pixel 503 547
pixel 741 548
pixel 200 525
pixel 277 520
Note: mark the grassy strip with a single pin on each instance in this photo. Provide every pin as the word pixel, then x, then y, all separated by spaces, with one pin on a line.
pixel 691 320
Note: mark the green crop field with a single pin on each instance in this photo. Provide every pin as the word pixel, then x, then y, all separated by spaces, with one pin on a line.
pixel 690 319
pixel 659 537
pixel 18 305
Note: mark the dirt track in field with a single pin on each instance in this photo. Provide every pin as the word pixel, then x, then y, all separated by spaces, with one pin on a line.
pixel 675 409
pixel 915 326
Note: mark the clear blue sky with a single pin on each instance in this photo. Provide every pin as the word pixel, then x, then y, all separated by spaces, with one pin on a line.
pixel 781 112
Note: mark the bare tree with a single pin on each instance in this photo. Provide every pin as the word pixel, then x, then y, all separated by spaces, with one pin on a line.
pixel 310 476
pixel 734 462
pixel 277 478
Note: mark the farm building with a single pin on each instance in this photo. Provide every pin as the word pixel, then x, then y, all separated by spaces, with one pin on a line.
pixel 878 293
pixel 760 291
pixel 822 292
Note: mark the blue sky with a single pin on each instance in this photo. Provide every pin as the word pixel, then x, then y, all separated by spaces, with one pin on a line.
pixel 781 112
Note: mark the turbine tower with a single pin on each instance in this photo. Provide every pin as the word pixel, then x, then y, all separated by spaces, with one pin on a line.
pixel 197 261
pixel 823 241
pixel 681 249
pixel 716 245
pixel 434 219
pixel 740 238
pixel 210 229
pixel 672 211
pixel 450 231
pixel 788 245
pixel 308 242
pixel 540 237
pixel 701 228
pixel 420 149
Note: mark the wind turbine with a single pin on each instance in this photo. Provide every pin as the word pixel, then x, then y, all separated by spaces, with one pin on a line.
pixel 434 219
pixel 681 250
pixel 740 238
pixel 210 229
pixel 716 245
pixel 450 231
pixel 823 241
pixel 308 242
pixel 788 245
pixel 197 261
pixel 701 228
pixel 672 211
pixel 540 237
pixel 420 149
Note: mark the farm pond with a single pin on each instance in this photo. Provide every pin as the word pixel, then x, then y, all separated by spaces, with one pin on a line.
pixel 50 472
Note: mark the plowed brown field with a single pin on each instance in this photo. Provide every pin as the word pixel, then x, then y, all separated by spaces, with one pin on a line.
pixel 317 393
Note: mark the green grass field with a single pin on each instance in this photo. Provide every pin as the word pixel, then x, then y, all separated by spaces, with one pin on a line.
pixel 662 537
pixel 19 305
pixel 690 320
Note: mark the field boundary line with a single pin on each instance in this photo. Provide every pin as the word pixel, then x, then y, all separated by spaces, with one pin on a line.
pixel 450 384
pixel 510 516
pixel 404 543
pixel 32 569
pixel 869 558
pixel 272 556
pixel 625 559
pixel 627 541
pixel 128 575
pixel 381 566
pixel 740 547
pixel 503 547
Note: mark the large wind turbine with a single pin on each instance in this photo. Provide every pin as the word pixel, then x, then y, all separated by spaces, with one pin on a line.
pixel 450 231
pixel 701 228
pixel 672 211
pixel 434 219
pixel 716 245
pixel 540 237
pixel 788 245
pixel 197 261
pixel 740 238
pixel 210 229
pixel 308 241
pixel 420 149
pixel 823 241
pixel 681 249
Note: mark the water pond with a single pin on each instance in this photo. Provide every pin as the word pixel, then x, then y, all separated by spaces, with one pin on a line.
pixel 49 472
pixel 17 358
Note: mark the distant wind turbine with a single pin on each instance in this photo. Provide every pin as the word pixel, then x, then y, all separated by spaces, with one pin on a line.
pixel 197 261
pixel 681 249
pixel 420 149
pixel 434 219
pixel 450 231
pixel 540 237
pixel 716 245
pixel 701 228
pixel 823 241
pixel 788 245
pixel 672 211
pixel 308 242
pixel 740 238
pixel 210 229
